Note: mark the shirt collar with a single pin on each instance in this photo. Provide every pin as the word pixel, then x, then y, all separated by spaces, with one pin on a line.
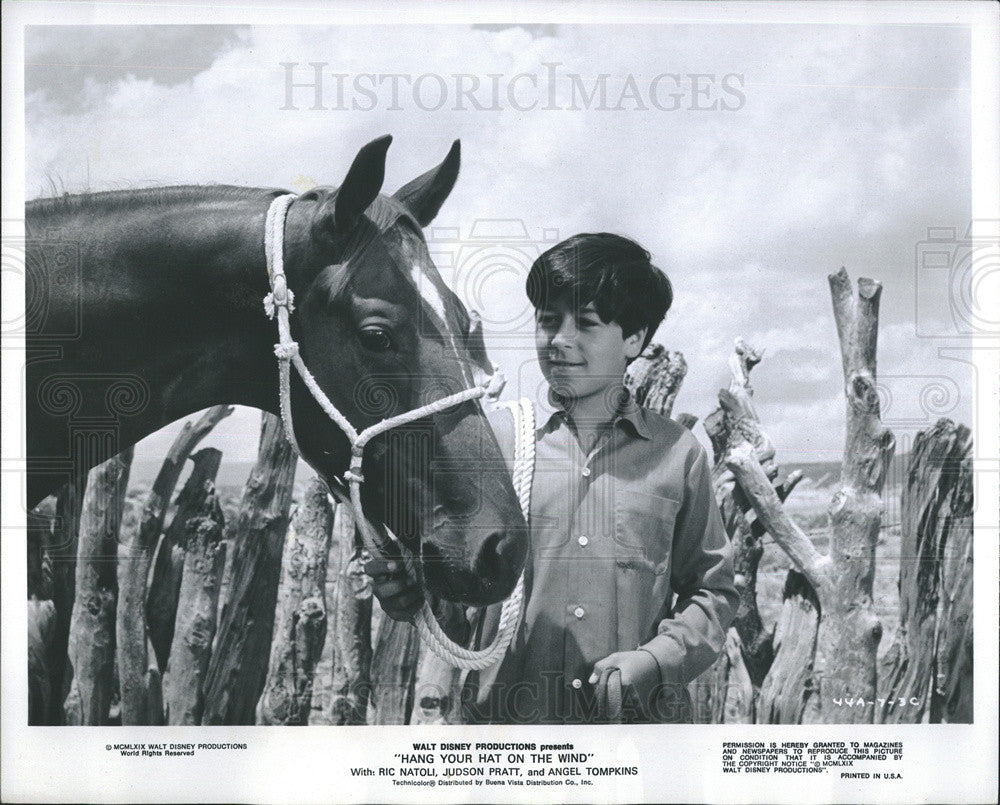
pixel 636 415
pixel 630 412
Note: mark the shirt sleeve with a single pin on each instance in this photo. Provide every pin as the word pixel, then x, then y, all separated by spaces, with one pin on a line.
pixel 689 641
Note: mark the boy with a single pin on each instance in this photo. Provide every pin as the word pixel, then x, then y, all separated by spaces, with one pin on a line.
pixel 623 515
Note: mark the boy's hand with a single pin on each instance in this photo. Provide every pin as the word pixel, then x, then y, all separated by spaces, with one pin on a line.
pixel 640 676
pixel 400 595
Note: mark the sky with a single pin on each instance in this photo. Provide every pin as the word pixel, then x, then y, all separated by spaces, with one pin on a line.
pixel 778 154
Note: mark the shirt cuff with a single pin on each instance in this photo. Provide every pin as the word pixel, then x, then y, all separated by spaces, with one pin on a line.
pixel 669 655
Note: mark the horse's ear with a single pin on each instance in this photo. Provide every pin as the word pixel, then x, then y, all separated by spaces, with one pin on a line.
pixel 424 195
pixel 362 184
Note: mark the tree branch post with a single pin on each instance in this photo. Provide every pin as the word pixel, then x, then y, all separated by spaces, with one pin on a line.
pixel 928 667
pixel 352 627
pixel 92 630
pixel 163 596
pixel 655 377
pixel 134 561
pixel 852 628
pixel 842 580
pixel 301 621
pixel 238 668
pixel 734 427
pixel 60 556
pixel 200 535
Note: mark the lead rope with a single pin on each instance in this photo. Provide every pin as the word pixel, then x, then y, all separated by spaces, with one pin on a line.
pixel 510 613
pixel 279 304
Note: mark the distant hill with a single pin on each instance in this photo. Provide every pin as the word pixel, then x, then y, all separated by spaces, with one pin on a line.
pixel 825 473
pixel 235 473
pixel 820 473
pixel 231 473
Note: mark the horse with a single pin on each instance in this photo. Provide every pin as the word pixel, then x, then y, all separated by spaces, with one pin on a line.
pixel 144 306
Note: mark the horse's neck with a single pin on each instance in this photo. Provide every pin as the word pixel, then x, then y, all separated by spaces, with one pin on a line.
pixel 169 295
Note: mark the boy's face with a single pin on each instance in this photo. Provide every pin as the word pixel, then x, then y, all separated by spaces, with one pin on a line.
pixel 579 354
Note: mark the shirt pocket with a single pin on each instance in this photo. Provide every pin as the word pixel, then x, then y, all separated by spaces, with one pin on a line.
pixel 644 530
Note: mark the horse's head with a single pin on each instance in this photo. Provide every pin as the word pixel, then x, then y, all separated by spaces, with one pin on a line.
pixel 383 335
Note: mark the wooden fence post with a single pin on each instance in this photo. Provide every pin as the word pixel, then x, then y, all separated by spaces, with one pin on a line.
pixel 655 377
pixel 849 630
pixel 952 701
pixel 730 688
pixel 394 668
pixel 92 631
pixel 852 628
pixel 934 639
pixel 238 669
pixel 168 563
pixel 41 633
pixel 134 560
pixel 352 626
pixel 787 694
pixel 60 556
pixel 301 620
pixel 200 535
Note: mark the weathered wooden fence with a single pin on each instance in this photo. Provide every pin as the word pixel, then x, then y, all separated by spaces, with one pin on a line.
pixel 823 649
pixel 819 661
pixel 270 619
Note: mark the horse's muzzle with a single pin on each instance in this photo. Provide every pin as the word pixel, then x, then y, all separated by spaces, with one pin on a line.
pixel 487 576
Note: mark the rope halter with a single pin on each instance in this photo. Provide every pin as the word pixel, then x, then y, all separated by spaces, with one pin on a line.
pixel 279 304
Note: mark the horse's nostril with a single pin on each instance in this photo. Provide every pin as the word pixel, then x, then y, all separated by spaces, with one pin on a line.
pixel 487 576
pixel 496 567
pixel 489 567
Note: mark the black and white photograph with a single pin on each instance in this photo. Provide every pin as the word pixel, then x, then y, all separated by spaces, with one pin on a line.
pixel 527 403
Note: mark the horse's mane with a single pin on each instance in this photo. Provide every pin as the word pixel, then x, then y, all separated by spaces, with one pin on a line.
pixel 382 215
pixel 111 200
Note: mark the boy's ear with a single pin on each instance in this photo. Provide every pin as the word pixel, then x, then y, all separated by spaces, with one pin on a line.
pixel 634 342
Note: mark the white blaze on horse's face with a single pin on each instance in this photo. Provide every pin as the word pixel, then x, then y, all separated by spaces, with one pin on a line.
pixel 430 294
pixel 428 291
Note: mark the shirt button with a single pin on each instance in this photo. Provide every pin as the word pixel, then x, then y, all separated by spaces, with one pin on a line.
pixel 585 472
pixel 579 613
pixel 583 541
pixel 577 684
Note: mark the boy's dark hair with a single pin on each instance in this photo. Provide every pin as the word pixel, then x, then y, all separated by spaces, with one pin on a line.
pixel 611 271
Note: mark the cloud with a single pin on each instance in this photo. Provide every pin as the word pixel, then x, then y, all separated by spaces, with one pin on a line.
pixel 72 65
pixel 535 30
pixel 851 142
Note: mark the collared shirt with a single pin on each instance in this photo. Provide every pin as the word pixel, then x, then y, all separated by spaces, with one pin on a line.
pixel 627 550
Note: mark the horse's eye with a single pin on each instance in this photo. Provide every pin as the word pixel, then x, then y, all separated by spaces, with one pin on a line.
pixel 377 339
